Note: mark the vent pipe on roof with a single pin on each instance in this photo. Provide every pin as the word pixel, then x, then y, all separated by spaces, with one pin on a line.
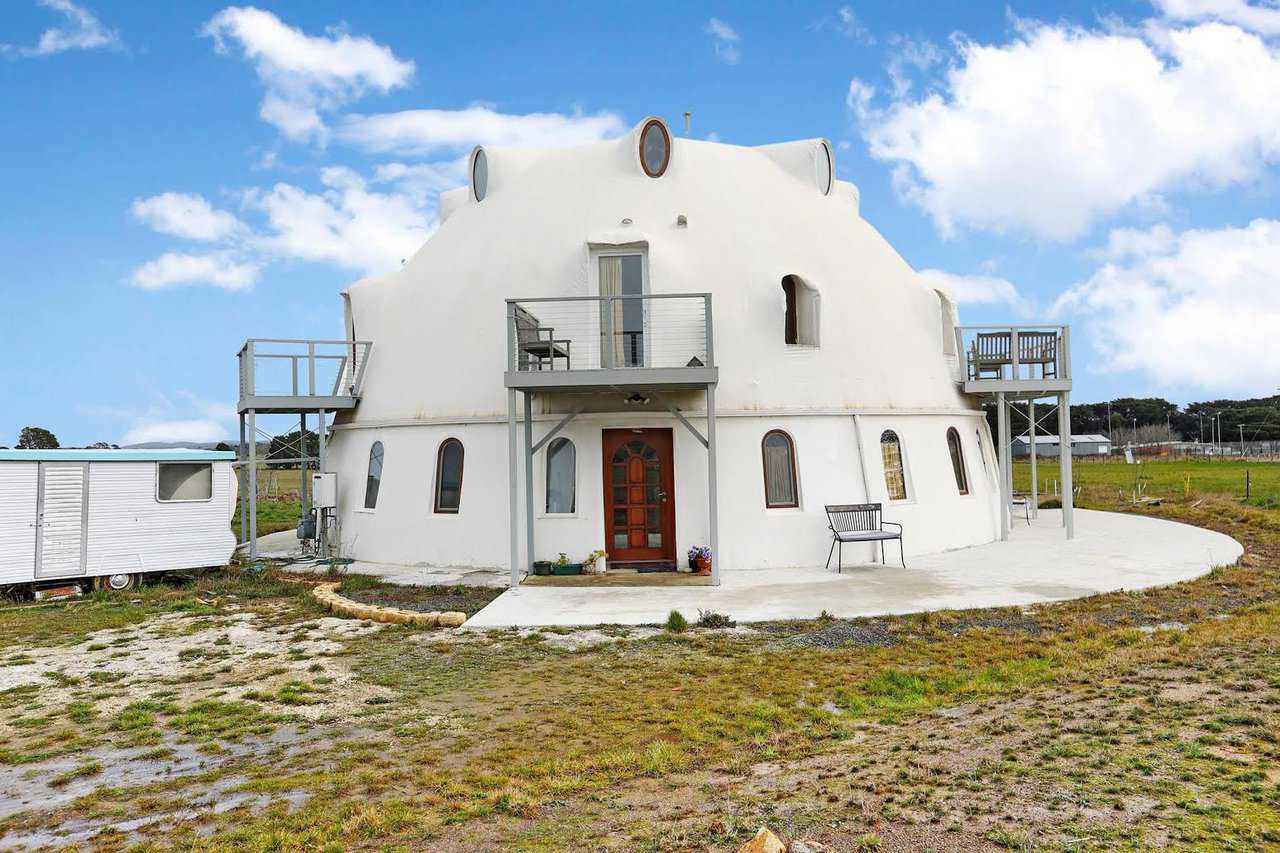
pixel 687 121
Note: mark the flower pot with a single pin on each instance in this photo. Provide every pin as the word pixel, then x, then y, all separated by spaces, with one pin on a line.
pixel 566 569
pixel 542 567
pixel 704 566
pixel 601 566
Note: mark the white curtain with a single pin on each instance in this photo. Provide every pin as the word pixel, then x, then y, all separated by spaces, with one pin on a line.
pixel 611 285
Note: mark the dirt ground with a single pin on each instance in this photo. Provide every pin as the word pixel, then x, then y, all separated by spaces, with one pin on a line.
pixel 229 713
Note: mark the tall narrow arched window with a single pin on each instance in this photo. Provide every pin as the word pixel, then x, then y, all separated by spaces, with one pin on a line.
pixel 800 321
pixel 562 475
pixel 957 460
pixel 895 474
pixel 449 476
pixel 374 478
pixel 779 470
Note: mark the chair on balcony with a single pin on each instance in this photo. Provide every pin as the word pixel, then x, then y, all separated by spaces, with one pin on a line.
pixel 537 344
pixel 989 354
pixel 1039 348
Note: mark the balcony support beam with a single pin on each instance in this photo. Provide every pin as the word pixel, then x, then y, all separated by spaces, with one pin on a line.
pixel 528 478
pixel 671 407
pixel 513 499
pixel 556 429
pixel 713 512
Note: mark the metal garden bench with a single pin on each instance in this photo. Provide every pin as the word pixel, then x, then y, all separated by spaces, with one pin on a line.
pixel 537 344
pixel 860 523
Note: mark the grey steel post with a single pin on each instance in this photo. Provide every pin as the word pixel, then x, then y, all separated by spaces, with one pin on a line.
pixel 322 527
pixel 311 368
pixel 1002 429
pixel 302 452
pixel 242 483
pixel 253 485
pixel 528 477
pixel 514 502
pixel 1035 486
pixel 709 338
pixel 713 512
pixel 1064 462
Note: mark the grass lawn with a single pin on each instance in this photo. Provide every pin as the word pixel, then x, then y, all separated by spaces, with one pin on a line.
pixel 1120 722
pixel 1165 478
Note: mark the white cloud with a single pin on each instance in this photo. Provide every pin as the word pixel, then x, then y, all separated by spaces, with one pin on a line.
pixel 1199 309
pixel 1263 19
pixel 429 131
pixel 175 269
pixel 346 224
pixel 171 417
pixel 908 57
pixel 724 41
pixel 84 32
pixel 189 216
pixel 1062 126
pixel 305 75
pixel 975 289
pixel 197 431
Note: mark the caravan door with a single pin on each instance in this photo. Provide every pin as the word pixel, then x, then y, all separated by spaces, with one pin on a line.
pixel 62 519
pixel 18 492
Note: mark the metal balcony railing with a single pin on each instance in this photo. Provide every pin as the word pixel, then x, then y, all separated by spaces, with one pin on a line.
pixel 579 333
pixel 285 368
pixel 1013 353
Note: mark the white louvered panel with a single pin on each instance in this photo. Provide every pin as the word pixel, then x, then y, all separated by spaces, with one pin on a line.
pixel 62 520
pixel 18 485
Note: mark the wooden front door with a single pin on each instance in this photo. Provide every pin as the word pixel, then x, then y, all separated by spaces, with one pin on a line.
pixel 639 495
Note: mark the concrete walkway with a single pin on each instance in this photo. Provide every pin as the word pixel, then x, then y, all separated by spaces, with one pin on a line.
pixel 285 546
pixel 1111 551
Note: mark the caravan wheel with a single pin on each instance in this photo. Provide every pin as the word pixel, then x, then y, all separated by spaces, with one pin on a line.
pixel 117 582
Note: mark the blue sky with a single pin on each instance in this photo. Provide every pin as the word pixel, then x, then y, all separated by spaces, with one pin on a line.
pixel 175 178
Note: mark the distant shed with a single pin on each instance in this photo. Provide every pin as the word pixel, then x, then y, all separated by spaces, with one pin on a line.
pixel 113 515
pixel 1047 445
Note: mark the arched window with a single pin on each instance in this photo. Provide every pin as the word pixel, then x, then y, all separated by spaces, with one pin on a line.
pixel 374 478
pixel 957 460
pixel 479 174
pixel 562 475
pixel 779 470
pixel 655 148
pixel 895 475
pixel 800 327
pixel 449 476
pixel 982 451
pixel 948 310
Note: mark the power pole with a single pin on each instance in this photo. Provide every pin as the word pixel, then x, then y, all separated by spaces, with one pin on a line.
pixel 1241 440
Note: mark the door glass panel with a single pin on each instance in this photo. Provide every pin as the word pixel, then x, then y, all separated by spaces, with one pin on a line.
pixel 619 494
pixel 620 540
pixel 655 540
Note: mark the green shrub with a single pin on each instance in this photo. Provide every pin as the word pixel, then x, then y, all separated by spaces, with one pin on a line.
pixel 676 623
pixel 712 619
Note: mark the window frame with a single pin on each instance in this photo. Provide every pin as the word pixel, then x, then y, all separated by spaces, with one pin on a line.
pixel 382 459
pixel 958 466
pixel 546 480
pixel 436 508
pixel 831 168
pixel 802 313
pixel 794 470
pixel 161 500
pixel 902 467
pixel 593 274
pixel 666 136
pixel 476 194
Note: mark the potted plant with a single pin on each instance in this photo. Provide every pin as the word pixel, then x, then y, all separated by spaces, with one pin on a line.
pixel 562 566
pixel 595 562
pixel 542 567
pixel 700 559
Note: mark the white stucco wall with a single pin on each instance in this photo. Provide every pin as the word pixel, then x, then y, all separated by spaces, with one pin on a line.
pixel 404 529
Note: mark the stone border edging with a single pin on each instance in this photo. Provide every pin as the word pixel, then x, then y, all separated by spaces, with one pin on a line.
pixel 327 594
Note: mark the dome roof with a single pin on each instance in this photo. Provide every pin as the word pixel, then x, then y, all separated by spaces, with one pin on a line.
pixel 728 220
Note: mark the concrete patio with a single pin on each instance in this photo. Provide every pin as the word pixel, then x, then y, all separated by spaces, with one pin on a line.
pixel 1111 551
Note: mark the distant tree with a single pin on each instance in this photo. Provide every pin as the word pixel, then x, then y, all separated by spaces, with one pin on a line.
pixel 37 438
pixel 223 446
pixel 99 445
pixel 288 446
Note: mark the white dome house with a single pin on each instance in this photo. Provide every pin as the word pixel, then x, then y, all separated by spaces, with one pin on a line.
pixel 700 343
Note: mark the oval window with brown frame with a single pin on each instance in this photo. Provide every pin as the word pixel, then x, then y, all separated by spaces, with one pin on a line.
pixel 655 148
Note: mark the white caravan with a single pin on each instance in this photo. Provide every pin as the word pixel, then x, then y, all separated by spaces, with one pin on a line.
pixel 112 515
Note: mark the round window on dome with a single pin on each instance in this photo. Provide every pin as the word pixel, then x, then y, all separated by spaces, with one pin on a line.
pixel 480 174
pixel 825 169
pixel 655 148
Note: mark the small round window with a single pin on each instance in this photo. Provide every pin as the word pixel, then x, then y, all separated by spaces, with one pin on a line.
pixel 825 169
pixel 480 174
pixel 655 148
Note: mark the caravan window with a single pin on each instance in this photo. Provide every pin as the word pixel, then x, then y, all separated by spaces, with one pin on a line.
pixel 184 481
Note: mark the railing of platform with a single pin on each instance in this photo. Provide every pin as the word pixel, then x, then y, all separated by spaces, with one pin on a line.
pixel 609 332
pixel 282 367
pixel 1015 352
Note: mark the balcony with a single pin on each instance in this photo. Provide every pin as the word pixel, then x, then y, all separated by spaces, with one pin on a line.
pixel 599 343
pixel 1015 359
pixel 284 376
